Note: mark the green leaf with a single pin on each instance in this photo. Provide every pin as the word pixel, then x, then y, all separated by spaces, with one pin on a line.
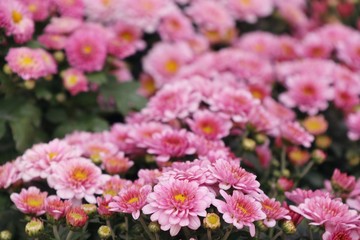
pixel 23 133
pixel 94 124
pixel 42 92
pixel 56 115
pixel 33 44
pixel 2 128
pixel 98 77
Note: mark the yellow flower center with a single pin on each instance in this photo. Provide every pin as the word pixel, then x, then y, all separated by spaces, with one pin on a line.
pixel 72 80
pixel 16 16
pixel 106 2
pixel 245 2
pixel 34 201
pixel 308 90
pixel 79 174
pixel 180 197
pixel 26 61
pixel 32 7
pixel 52 155
pixel 212 219
pixel 87 49
pixel 241 209
pixel 133 200
pixel 206 128
pixel 127 36
pixel 171 66
pixel 110 192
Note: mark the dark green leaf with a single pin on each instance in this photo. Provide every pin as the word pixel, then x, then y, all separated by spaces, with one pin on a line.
pixel 98 77
pixel 33 44
pixel 56 115
pixel 2 128
pixel 81 124
pixel 23 133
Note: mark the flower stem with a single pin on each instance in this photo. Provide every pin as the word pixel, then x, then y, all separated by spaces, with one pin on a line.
pixel 283 159
pixel 56 232
pixel 127 228
pixel 68 237
pixel 209 237
pixel 227 234
pixel 112 232
pixel 146 228
pixel 157 236
pixel 307 169
pixel 186 232
pixel 277 235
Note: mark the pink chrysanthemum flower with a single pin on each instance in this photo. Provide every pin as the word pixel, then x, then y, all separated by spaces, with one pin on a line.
pixel 314 46
pixel 230 174
pixel 315 124
pixel 286 48
pixel 170 143
pixel 52 41
pixel 176 203
pixel 273 211
pixel 8 174
pixel 237 104
pixel 298 195
pixel 37 161
pixel 349 51
pixel 294 133
pixel 264 154
pixel 308 95
pixel 117 164
pixel 130 200
pixel 39 9
pixel 56 208
pixel 97 149
pixel 86 48
pixel 143 132
pixel 173 101
pixel 75 81
pixel 30 201
pixel 16 19
pixel 341 232
pixel 210 125
pixel 149 176
pixel 76 179
pixel 50 66
pixel 103 205
pixel 114 185
pixel 125 40
pixel 353 199
pixel 343 182
pixel 119 135
pixel 240 210
pixel 102 11
pixel 277 109
pixel 320 210
pixel 175 26
pixel 262 120
pixel 165 60
pixel 144 13
pixel 63 25
pixel 27 63
pixel 76 217
pixel 250 10
pixel 70 8
pixel 353 124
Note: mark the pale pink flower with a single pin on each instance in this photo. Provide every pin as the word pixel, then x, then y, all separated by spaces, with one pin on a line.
pixel 343 182
pixel 39 9
pixel 308 95
pixel 70 8
pixel 261 43
pixel 240 210
pixel 321 210
pixel 140 133
pixel 98 149
pixel 262 120
pixel 277 109
pixel 86 48
pixel 119 135
pixel 299 195
pixel 114 185
pixel 50 66
pixel 294 15
pixel 103 205
pixel 236 103
pixel 348 51
pixel 9 174
pixel 37 161
pixel 353 199
pixel 102 11
pixel 294 133
pixel 286 48
pixel 210 125
pixel 149 176
pixel 125 40
pixel 173 101
pixel 78 138
pixel 170 143
pixel 176 203
pixel 353 124
pixel 76 179
pixel 27 63
pixel 16 19
pixel 273 210
pixel 56 208
pixel 144 13
pixel 117 164
pixel 335 33
pixel 130 200
pixel 63 25
pixel 75 81
pixel 52 41
pixel 175 26
pixel 249 10
pixel 30 201
pixel 165 60
pixel 230 175
pixel 341 231
pixel 314 46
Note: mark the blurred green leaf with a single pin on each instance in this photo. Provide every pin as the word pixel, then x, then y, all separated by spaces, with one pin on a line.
pixel 56 115
pixel 23 133
pixel 2 128
pixel 98 77
pixel 33 44
pixel 42 92
pixel 82 124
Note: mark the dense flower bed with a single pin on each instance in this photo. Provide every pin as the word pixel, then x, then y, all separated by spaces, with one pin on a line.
pixel 250 134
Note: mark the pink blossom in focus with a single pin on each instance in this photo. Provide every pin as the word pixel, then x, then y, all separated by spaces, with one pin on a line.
pixel 114 185
pixel 273 210
pixel 117 164
pixel 341 231
pixel 299 195
pixel 343 182
pixel 294 133
pixel 30 201
pixel 56 208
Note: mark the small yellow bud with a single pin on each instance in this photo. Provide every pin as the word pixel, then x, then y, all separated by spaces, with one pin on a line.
pixel 89 209
pixel 5 235
pixel 34 228
pixel 248 144
pixel 60 97
pixel 212 221
pixel 260 138
pixel 288 227
pixel 29 84
pixel 154 227
pixel 261 226
pixel 104 232
pixel 59 56
pixel 7 70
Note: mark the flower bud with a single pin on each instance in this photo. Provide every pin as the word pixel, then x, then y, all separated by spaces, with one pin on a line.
pixel 318 156
pixel 29 84
pixel 90 209
pixel 59 56
pixel 285 173
pixel 34 228
pixel 284 184
pixel 323 141
pixel 212 221
pixel 7 70
pixel 104 232
pixel 288 227
pixel 260 138
pixel 76 218
pixel 261 226
pixel 5 235
pixel 60 97
pixel 154 227
pixel 248 144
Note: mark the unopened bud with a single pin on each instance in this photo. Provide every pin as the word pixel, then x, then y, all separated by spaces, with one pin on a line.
pixel 48 78
pixel 261 226
pixel 285 173
pixel 29 84
pixel 76 218
pixel 104 232
pixel 149 158
pixel 59 56
pixel 34 228
pixel 5 235
pixel 154 227
pixel 212 221
pixel 284 184
pixel 318 156
pixel 60 97
pixel 288 227
pixel 248 144
pixel 260 138
pixel 323 141
pixel 7 70
pixel 89 209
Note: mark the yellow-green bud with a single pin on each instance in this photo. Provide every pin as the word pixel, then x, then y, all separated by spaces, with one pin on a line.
pixel 29 84
pixel 249 144
pixel 154 227
pixel 260 138
pixel 7 70
pixel 34 228
pixel 5 235
pixel 288 227
pixel 212 221
pixel 261 226
pixel 89 209
pixel 104 232
pixel 149 158
pixel 286 173
pixel 60 97
pixel 48 78
pixel 59 56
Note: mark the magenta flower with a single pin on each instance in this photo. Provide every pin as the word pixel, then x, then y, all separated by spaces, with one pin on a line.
pixel 130 200
pixel 9 174
pixel 74 8
pixel 30 201
pixel 63 25
pixel 299 195
pixel 353 124
pixel 341 231
pixel 56 208
pixel 103 206
pixel 39 9
pixel 240 210
pixel 250 10
pixel 294 133
pixel 343 182
pixel 175 26
pixel 76 179
pixel 176 203
pixel 113 185
pixel 273 210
